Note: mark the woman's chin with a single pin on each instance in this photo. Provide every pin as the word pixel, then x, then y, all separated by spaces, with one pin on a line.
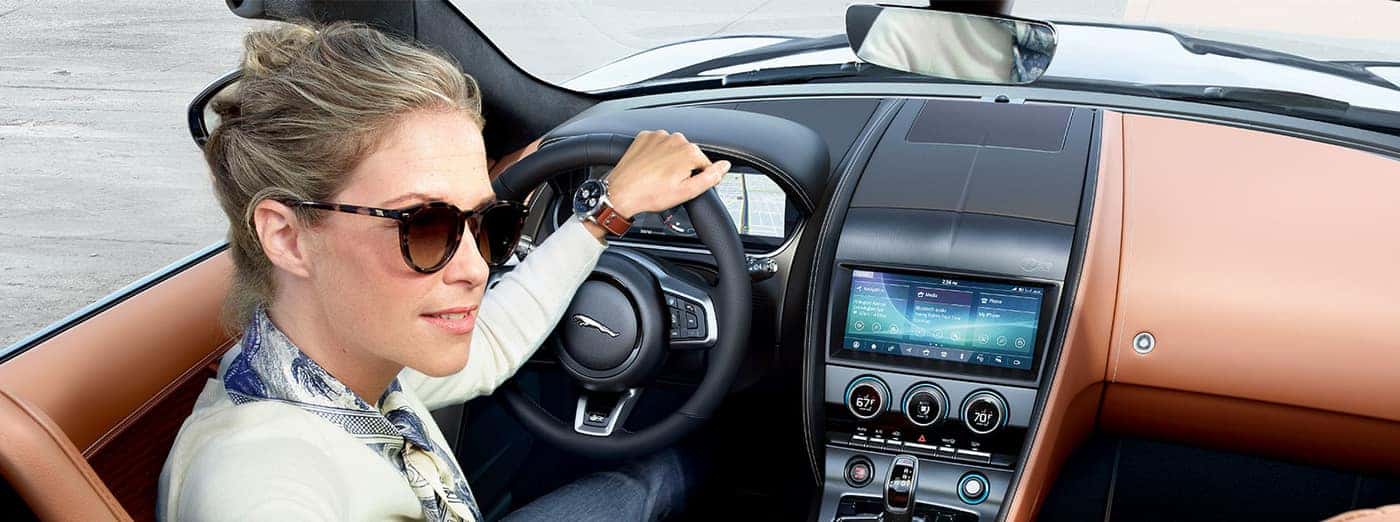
pixel 454 358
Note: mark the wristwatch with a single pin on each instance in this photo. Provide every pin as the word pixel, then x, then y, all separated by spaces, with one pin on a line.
pixel 591 204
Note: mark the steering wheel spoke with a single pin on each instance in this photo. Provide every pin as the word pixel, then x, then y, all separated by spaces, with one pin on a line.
pixel 690 310
pixel 598 417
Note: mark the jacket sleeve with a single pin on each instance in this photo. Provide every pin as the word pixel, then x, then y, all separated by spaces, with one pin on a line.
pixel 515 317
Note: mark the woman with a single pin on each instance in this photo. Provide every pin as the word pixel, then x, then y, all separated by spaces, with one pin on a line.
pixel 342 161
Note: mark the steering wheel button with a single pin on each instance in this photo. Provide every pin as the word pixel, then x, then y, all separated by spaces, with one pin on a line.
pixel 594 418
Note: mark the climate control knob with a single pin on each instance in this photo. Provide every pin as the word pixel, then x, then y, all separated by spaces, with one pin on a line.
pixel 925 404
pixel 867 397
pixel 984 412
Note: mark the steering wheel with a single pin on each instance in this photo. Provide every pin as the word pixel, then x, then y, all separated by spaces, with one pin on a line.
pixel 629 312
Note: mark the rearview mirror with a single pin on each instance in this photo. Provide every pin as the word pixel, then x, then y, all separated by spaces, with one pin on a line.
pixel 950 45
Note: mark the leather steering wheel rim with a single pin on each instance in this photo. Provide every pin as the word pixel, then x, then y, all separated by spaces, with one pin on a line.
pixel 731 296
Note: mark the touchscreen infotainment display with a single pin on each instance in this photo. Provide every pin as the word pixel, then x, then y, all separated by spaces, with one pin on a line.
pixel 943 318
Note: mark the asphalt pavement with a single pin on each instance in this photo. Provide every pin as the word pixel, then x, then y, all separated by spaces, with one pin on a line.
pixel 100 183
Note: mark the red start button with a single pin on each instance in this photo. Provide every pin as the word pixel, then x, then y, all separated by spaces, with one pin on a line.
pixel 859 471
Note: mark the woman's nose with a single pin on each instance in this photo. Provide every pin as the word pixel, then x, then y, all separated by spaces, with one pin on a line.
pixel 467 265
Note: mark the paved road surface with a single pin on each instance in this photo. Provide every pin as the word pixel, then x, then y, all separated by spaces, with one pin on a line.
pixel 100 184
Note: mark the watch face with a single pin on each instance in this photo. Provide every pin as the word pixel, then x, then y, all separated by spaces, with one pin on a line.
pixel 589 197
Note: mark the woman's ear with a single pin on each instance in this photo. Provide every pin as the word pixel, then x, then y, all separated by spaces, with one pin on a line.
pixel 282 236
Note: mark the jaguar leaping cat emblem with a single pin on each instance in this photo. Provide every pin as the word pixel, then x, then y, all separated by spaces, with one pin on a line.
pixel 589 322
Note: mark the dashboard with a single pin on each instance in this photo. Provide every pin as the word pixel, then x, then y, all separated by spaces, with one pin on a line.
pixel 967 302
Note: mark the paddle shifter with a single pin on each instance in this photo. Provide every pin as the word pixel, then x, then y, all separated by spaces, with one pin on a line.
pixel 900 485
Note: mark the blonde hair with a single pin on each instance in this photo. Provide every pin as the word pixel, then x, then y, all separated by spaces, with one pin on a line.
pixel 311 104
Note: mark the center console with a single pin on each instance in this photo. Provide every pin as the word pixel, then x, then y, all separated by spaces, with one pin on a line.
pixel 936 366
pixel 941 310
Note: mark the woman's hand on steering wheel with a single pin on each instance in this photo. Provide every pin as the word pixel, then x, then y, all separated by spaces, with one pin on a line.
pixel 658 172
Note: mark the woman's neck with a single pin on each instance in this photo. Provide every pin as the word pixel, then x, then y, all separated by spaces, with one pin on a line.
pixel 364 373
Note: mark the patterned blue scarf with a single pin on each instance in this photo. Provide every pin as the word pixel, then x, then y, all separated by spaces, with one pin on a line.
pixel 271 368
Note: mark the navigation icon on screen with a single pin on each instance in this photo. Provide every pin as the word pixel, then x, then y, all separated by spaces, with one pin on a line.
pixel 860 325
pixel 1020 342
pixel 1001 340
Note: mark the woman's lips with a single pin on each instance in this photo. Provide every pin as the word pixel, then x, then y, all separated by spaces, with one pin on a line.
pixel 456 321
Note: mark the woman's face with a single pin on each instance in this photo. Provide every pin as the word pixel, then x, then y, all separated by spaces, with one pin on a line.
pixel 375 303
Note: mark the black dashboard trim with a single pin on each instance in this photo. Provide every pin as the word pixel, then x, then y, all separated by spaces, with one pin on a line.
pixel 1336 134
pixel 824 252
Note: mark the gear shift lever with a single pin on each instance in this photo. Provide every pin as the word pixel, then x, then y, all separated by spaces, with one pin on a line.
pixel 900 485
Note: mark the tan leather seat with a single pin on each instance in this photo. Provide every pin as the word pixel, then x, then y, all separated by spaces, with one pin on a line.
pixel 87 417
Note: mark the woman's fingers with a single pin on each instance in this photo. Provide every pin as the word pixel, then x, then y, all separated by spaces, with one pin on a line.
pixel 656 173
pixel 705 179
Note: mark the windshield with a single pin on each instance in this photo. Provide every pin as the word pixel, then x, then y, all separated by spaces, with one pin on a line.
pixel 558 41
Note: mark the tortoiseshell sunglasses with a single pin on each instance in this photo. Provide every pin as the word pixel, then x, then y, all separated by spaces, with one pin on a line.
pixel 429 233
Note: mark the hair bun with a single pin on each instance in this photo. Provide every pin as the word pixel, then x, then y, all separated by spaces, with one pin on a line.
pixel 270 50
pixel 227 104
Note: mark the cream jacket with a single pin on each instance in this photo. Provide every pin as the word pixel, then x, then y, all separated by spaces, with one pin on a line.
pixel 271 461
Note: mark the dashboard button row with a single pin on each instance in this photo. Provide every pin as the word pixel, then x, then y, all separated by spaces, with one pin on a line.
pixel 925 450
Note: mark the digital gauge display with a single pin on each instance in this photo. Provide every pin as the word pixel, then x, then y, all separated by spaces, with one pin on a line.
pixel 756 204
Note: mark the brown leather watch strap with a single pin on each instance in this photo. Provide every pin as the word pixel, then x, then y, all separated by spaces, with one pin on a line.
pixel 610 220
